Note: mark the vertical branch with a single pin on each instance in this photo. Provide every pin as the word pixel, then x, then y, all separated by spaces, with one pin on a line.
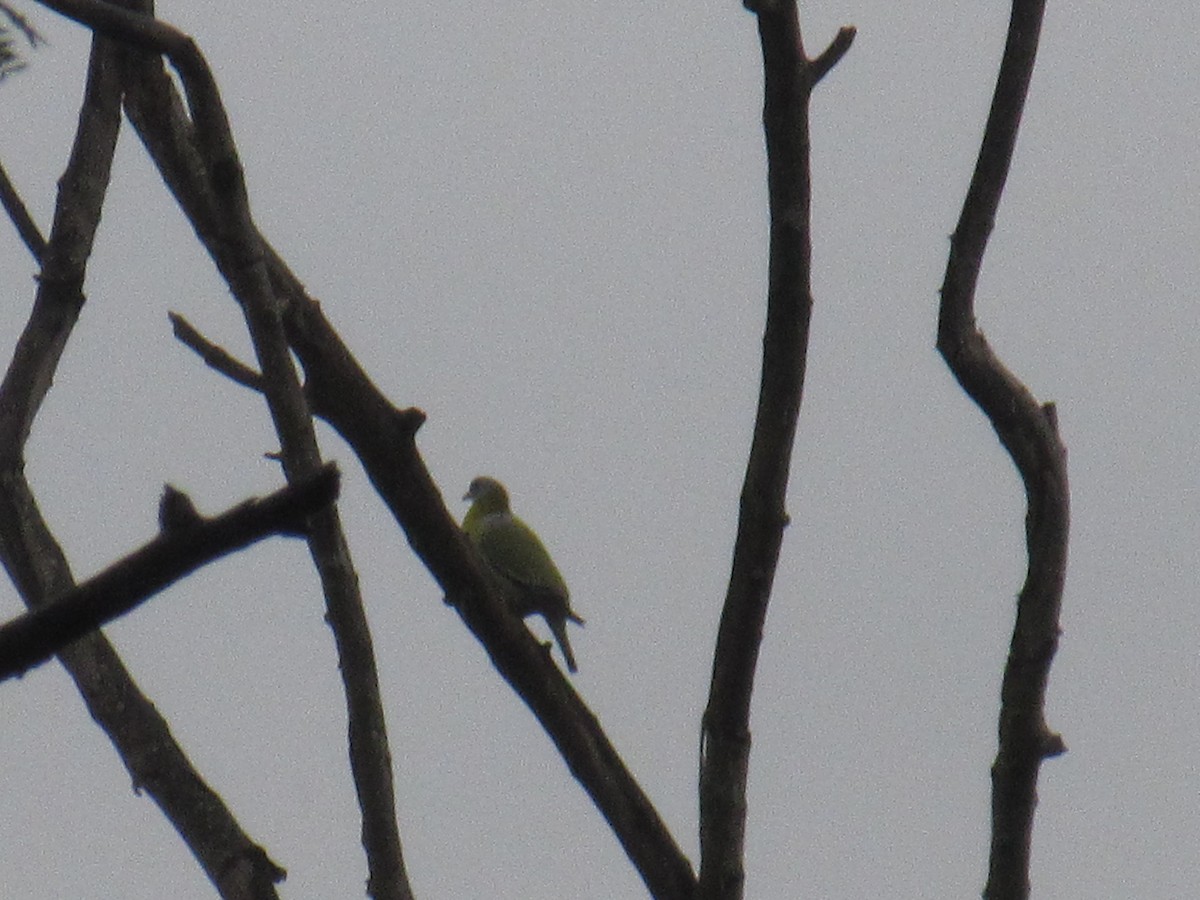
pixel 1028 430
pixel 788 80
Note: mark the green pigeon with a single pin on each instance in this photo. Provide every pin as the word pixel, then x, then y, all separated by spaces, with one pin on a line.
pixel 531 581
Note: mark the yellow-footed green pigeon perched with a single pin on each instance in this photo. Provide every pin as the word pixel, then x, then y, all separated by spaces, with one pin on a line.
pixel 514 552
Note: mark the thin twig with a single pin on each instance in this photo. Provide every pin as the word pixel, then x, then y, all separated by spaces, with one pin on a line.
pixel 214 356
pixel 19 213
pixel 820 66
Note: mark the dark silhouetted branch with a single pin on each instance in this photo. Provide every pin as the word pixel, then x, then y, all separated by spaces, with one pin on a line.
pixel 184 545
pixel 725 732
pixel 203 149
pixel 237 866
pixel 832 54
pixel 19 213
pixel 1029 432
pixel 215 356
pixel 383 437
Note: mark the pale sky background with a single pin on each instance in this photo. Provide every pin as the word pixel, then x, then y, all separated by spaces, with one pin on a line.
pixel 544 224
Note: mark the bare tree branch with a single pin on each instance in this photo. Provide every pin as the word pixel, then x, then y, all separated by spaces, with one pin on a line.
pixel 238 867
pixel 214 356
pixel 819 67
pixel 60 286
pixel 237 248
pixel 17 211
pixel 1029 432
pixel 40 633
pixel 383 438
pixel 725 732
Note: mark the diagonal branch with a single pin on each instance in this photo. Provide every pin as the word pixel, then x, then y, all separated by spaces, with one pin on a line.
pixel 1029 432
pixel 214 356
pixel 19 213
pixel 37 635
pixel 384 439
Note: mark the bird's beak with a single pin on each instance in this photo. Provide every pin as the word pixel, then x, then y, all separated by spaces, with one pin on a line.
pixel 467 495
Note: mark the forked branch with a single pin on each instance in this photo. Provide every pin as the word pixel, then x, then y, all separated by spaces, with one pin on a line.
pixel 789 77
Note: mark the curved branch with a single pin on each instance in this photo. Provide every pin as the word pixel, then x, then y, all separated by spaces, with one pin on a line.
pixel 1028 430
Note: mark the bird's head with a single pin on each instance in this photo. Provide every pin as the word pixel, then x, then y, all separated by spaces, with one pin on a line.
pixel 487 495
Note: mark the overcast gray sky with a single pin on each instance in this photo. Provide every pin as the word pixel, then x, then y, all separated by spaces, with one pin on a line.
pixel 544 224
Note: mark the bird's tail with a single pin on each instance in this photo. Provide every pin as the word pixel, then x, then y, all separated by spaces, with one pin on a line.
pixel 558 627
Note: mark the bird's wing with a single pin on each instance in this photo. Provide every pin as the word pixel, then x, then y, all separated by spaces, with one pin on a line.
pixel 513 549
